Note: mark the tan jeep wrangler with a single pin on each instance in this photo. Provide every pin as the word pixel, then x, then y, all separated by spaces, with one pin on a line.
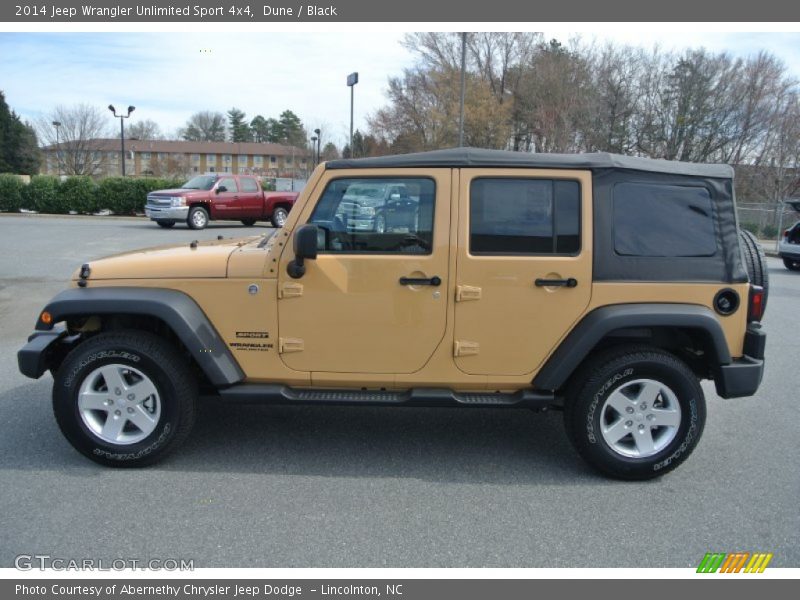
pixel 602 285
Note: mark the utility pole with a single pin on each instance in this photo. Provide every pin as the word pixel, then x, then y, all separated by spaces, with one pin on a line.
pixel 352 80
pixel 463 86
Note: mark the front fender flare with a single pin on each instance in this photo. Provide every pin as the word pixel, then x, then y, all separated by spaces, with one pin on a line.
pixel 178 310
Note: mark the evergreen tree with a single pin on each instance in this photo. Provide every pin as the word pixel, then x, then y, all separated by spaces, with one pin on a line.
pixel 19 148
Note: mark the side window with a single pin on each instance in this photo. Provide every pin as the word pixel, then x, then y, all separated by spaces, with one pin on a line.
pixel 229 183
pixel 248 184
pixel 391 215
pixel 661 220
pixel 524 216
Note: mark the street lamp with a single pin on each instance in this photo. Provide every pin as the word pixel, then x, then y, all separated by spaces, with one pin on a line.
pixel 57 124
pixel 319 142
pixel 122 130
pixel 352 80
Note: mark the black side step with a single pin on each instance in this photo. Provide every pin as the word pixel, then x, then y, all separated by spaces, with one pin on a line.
pixel 255 393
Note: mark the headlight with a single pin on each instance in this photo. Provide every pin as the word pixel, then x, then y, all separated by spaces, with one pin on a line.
pixel 367 211
pixel 178 201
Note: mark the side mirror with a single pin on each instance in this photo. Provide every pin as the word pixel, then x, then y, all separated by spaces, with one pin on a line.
pixel 222 188
pixel 395 196
pixel 305 247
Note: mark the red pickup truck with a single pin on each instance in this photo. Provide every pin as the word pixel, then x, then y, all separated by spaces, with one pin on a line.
pixel 219 196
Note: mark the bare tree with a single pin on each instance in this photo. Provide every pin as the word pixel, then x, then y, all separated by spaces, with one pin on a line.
pixel 79 128
pixel 143 130
pixel 205 126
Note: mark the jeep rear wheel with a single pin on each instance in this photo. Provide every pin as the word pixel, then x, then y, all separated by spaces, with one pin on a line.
pixel 755 261
pixel 124 399
pixel 198 218
pixel 635 413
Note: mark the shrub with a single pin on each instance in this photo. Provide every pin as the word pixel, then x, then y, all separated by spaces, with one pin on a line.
pixel 769 232
pixel 126 196
pixel 79 194
pixel 41 194
pixel 11 188
pixel 751 227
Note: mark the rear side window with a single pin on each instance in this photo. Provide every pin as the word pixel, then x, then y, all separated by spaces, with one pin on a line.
pixel 524 216
pixel 248 184
pixel 663 220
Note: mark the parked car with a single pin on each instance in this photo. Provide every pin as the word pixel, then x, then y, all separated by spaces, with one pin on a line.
pixel 219 196
pixel 789 247
pixel 380 207
pixel 604 286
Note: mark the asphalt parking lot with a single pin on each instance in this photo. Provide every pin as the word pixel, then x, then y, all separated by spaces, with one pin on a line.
pixel 370 487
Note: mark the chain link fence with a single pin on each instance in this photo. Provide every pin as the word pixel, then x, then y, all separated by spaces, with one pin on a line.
pixel 766 221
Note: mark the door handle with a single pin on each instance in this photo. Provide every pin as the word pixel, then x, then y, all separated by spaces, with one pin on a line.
pixel 570 282
pixel 434 281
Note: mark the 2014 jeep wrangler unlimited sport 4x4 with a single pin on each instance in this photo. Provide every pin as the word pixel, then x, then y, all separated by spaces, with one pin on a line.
pixel 604 285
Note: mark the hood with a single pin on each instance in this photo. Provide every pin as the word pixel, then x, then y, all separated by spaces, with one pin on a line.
pixel 177 192
pixel 206 259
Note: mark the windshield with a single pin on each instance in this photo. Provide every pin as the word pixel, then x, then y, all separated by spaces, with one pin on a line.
pixel 203 182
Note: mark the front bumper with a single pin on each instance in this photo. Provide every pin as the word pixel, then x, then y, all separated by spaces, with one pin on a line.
pixel 167 213
pixel 33 357
pixel 743 376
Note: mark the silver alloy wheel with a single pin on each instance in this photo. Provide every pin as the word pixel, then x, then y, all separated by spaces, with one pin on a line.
pixel 640 418
pixel 380 224
pixel 199 219
pixel 119 404
pixel 280 217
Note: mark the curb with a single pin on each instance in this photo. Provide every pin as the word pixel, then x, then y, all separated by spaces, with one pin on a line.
pixel 51 216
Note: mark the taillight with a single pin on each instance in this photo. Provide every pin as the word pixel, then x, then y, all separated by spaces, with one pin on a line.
pixel 786 233
pixel 755 310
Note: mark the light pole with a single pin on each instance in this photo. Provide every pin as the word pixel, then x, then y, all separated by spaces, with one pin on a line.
pixel 352 80
pixel 57 124
pixel 463 86
pixel 122 130
pixel 319 142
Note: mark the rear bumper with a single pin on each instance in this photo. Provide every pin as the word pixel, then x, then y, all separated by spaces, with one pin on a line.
pixel 32 358
pixel 167 213
pixel 790 251
pixel 743 376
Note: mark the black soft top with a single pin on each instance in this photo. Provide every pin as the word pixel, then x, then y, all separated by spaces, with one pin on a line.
pixel 477 157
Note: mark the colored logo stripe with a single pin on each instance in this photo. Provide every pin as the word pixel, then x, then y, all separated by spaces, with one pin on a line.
pixel 734 562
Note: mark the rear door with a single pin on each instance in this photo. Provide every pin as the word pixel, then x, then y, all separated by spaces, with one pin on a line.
pixel 524 267
pixel 251 198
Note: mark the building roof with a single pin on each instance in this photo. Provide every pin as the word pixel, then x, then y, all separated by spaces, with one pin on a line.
pixel 476 157
pixel 184 147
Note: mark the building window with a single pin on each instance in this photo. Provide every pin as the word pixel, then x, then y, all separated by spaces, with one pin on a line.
pixel 273 160
pixel 195 158
pixel 146 155
pixel 258 160
pixel 212 169
pixel 242 160
pixel 212 158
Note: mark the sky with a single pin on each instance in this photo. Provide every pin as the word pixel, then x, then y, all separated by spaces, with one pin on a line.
pixel 169 76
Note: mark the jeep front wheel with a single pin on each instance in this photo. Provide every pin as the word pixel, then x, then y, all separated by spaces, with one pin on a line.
pixel 124 399
pixel 635 413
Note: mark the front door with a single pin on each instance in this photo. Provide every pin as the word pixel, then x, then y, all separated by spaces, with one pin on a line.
pixel 226 201
pixel 374 300
pixel 524 268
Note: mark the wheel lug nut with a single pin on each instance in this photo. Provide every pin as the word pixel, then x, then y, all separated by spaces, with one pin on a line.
pixel 118 391
pixel 130 410
pixel 650 417
pixel 641 427
pixel 109 402
pixel 628 423
pixel 629 410
pixel 131 397
pixel 117 412
pixel 643 406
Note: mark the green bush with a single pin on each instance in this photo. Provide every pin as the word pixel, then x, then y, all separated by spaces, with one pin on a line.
pixel 126 196
pixel 770 232
pixel 42 194
pixel 751 227
pixel 11 188
pixel 79 194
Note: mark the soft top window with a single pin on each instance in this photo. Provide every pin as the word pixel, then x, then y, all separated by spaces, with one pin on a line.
pixel 662 220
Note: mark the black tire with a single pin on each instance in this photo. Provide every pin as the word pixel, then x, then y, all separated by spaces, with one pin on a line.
pixel 791 264
pixel 198 218
pixel 620 368
pixel 148 354
pixel 166 224
pixel 279 216
pixel 755 262
pixel 248 222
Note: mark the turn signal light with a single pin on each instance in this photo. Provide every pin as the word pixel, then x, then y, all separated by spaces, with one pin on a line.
pixel 46 318
pixel 756 306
